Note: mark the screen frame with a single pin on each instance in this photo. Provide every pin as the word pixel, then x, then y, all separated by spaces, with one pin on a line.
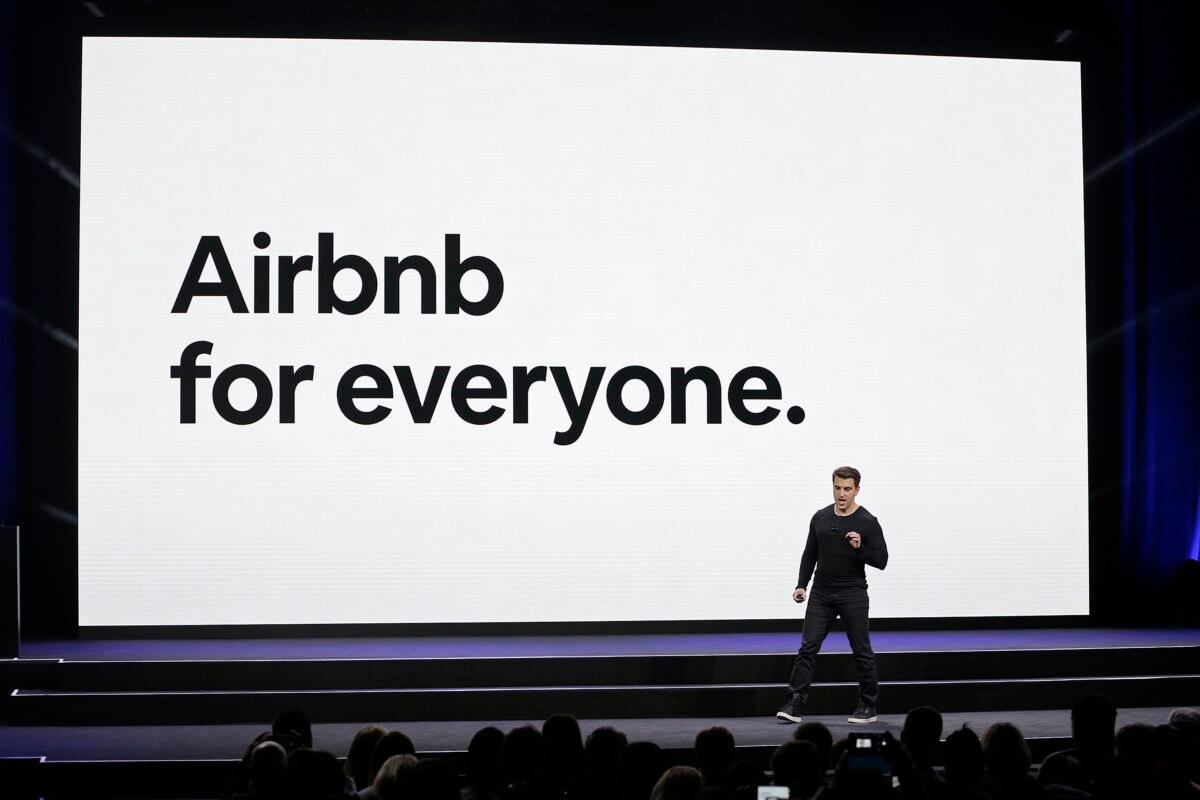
pixel 44 64
pixel 1041 52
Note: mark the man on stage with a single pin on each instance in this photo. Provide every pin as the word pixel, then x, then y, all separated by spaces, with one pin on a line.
pixel 842 538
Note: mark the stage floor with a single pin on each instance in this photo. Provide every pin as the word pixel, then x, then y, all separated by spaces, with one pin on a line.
pixel 189 742
pixel 598 645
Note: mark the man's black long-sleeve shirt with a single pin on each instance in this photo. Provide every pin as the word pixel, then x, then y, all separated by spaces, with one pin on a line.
pixel 838 565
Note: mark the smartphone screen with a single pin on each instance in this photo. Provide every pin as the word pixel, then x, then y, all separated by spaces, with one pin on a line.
pixel 871 762
pixel 773 793
pixel 869 752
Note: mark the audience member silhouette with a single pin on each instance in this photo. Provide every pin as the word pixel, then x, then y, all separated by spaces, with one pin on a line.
pixel 392 743
pixel 358 760
pixel 564 753
pixel 678 783
pixel 267 773
pixel 964 765
pixel 485 770
pixel 1175 753
pixel 821 738
pixel 1006 761
pixel 1093 735
pixel 640 767
pixel 314 775
pixel 1135 747
pixel 1158 762
pixel 1187 722
pixel 922 737
pixel 433 779
pixel 798 766
pixel 523 755
pixel 394 780
pixel 602 753
pixel 285 737
pixel 714 749
pixel 293 724
pixel 740 778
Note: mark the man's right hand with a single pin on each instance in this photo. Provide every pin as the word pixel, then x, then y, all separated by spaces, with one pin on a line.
pixel 798 595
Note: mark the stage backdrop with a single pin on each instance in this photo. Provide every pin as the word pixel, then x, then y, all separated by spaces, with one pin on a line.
pixel 284 419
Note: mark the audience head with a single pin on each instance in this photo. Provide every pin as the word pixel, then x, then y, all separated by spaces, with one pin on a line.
pixel 603 749
pixel 523 753
pixel 921 734
pixel 640 767
pixel 484 766
pixel 268 769
pixel 1186 720
pixel 677 783
pixel 1135 743
pixel 292 725
pixel 744 773
pixel 392 743
pixel 1172 746
pixel 798 765
pixel 714 753
pixel 358 760
pixel 314 775
pixel 434 779
pixel 1065 769
pixel 964 758
pixel 394 778
pixel 1005 752
pixel 820 737
pixel 564 743
pixel 1170 774
pixel 1094 723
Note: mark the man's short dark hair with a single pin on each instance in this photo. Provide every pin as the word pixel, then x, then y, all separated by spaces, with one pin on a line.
pixel 523 753
pixel 714 752
pixel 603 747
pixel 848 472
pixel 922 729
pixel 1094 710
pixel 819 735
pixel 798 763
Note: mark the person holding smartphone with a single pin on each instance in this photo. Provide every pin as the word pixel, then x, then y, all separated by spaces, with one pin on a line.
pixel 843 538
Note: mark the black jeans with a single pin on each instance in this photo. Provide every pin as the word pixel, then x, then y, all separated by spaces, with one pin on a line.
pixel 854 607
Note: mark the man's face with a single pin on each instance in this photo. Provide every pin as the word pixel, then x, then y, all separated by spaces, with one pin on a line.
pixel 844 492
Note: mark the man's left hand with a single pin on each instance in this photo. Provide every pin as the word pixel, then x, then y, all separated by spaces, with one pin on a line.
pixel 854 539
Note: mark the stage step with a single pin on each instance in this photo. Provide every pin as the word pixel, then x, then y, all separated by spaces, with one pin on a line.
pixel 623 670
pixel 51 707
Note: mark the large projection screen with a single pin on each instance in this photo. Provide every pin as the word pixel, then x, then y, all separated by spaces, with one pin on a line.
pixel 897 239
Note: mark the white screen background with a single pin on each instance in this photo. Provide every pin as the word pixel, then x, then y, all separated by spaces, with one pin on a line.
pixel 898 238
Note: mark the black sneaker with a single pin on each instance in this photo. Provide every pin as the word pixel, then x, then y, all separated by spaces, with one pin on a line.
pixel 863 714
pixel 791 711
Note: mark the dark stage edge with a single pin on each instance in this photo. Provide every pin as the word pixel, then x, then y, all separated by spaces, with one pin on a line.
pixel 598 645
